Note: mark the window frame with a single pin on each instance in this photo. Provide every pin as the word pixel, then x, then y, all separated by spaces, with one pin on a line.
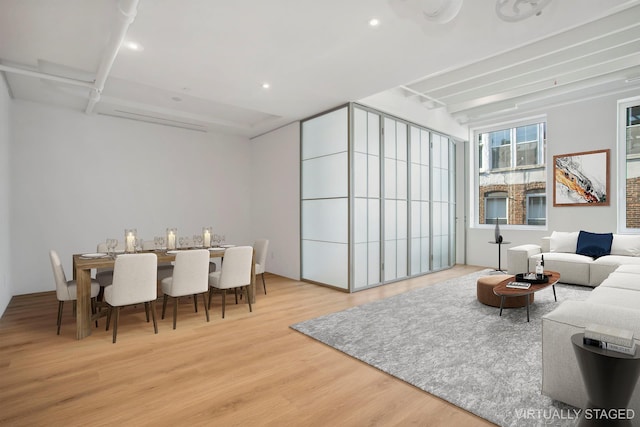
pixel 531 195
pixel 474 179
pixel 623 104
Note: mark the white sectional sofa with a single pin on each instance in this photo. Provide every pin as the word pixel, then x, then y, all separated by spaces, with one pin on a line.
pixel 615 302
pixel 559 251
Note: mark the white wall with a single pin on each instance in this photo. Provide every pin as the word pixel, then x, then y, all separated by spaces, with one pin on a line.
pixel 584 126
pixel 275 197
pixel 79 179
pixel 5 186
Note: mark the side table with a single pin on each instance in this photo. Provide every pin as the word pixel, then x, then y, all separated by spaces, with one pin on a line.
pixel 609 377
pixel 500 253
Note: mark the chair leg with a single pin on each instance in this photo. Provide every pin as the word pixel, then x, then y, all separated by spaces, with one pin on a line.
pixel 75 308
pixel 108 318
pixel 224 301
pixel 153 316
pixel 195 302
pixel 60 305
pixel 175 311
pixel 146 310
pixel 93 309
pixel 235 291
pixel 164 305
pixel 206 309
pixel 115 324
pixel 210 293
pixel 246 289
pixel 264 285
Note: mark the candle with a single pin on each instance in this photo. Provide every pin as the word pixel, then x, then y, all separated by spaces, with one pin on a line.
pixel 207 238
pixel 130 242
pixel 171 240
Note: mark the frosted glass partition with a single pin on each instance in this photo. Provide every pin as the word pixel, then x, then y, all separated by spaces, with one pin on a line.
pixel 366 202
pixel 395 199
pixel 420 201
pixel 443 201
pixel 324 204
pixel 377 199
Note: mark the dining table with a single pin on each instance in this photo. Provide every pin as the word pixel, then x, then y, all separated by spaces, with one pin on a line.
pixel 83 264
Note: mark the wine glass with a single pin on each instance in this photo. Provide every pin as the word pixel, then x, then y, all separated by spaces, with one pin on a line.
pixel 181 241
pixel 161 241
pixel 197 240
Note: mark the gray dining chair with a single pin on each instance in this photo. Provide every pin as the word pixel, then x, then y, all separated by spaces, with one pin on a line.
pixel 67 290
pixel 261 246
pixel 190 277
pixel 134 282
pixel 235 273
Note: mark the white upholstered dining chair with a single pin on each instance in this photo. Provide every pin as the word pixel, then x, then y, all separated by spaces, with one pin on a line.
pixel 134 282
pixel 190 277
pixel 67 290
pixel 235 273
pixel 261 246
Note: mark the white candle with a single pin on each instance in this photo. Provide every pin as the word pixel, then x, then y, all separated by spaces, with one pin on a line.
pixel 207 238
pixel 130 243
pixel 171 240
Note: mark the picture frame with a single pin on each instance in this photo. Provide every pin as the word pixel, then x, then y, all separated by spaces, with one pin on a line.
pixel 581 179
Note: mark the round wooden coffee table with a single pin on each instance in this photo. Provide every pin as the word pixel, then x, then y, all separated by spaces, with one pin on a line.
pixel 503 292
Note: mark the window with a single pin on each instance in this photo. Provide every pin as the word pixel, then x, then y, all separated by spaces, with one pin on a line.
pixel 629 165
pixel 536 209
pixel 496 208
pixel 511 174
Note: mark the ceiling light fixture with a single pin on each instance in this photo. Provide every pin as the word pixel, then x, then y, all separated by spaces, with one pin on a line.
pixel 438 11
pixel 266 85
pixel 374 22
pixel 515 13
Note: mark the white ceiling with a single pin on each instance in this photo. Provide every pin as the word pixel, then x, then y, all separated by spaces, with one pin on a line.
pixel 204 61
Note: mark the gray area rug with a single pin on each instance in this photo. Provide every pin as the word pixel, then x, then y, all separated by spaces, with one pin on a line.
pixel 443 341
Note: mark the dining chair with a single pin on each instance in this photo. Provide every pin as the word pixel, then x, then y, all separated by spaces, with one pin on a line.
pixel 104 276
pixel 134 282
pixel 67 290
pixel 190 277
pixel 261 246
pixel 235 273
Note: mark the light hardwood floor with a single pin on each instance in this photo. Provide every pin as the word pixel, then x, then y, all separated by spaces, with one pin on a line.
pixel 248 369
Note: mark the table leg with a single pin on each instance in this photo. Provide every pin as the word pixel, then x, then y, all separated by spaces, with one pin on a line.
pixel 554 292
pixel 83 310
pixel 499 257
pixel 527 296
pixel 501 304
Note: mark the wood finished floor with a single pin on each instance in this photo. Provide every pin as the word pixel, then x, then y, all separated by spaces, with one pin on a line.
pixel 246 369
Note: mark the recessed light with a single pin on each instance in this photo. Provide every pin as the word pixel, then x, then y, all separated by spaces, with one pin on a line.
pixel 176 98
pixel 137 47
pixel 266 85
pixel 374 22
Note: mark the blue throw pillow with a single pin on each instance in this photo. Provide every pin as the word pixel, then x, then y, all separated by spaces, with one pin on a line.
pixel 594 244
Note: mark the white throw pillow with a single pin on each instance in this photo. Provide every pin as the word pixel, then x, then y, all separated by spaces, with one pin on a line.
pixel 562 241
pixel 625 245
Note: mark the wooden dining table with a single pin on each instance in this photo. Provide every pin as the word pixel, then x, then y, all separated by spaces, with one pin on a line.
pixel 83 265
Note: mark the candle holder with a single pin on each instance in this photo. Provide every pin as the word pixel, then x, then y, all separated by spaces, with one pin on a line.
pixel 172 238
pixel 130 236
pixel 206 236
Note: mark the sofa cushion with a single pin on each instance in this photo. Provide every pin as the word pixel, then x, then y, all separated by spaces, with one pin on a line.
pixel 562 241
pixel 573 268
pixel 594 244
pixel 625 245
pixel 629 268
pixel 617 297
pixel 620 280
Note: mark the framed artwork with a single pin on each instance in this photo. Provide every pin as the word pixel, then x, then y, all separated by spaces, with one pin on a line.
pixel 581 179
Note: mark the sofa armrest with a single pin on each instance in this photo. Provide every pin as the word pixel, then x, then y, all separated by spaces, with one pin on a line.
pixel 518 258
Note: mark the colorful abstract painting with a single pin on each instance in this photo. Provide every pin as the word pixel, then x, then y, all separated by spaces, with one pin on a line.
pixel 581 179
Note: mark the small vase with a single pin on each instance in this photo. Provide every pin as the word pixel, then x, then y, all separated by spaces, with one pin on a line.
pixel 497 231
